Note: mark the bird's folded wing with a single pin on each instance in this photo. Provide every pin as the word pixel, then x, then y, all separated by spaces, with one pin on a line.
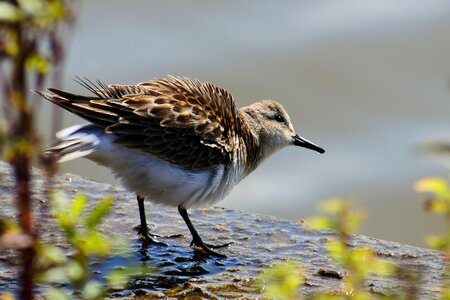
pixel 184 122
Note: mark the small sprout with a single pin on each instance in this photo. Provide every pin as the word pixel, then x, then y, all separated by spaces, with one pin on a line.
pixel 281 281
pixel 99 212
pixel 79 225
pixel 358 263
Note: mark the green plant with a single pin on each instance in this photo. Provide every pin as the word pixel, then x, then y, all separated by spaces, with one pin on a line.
pixel 80 228
pixel 29 46
pixel 282 280
pixel 439 204
pixel 358 262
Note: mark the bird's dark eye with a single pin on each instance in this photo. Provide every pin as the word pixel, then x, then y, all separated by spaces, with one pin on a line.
pixel 279 118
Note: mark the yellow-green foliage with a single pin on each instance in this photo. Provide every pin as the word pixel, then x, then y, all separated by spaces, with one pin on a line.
pixel 37 17
pixel 81 231
pixel 281 281
pixel 439 204
pixel 42 13
pixel 338 217
pixel 358 263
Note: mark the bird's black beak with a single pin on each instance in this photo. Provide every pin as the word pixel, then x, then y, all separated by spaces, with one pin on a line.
pixel 299 141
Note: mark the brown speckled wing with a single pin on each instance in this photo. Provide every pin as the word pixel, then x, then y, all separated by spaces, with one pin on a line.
pixel 184 122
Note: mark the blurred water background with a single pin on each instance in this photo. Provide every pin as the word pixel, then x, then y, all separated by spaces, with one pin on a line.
pixel 366 80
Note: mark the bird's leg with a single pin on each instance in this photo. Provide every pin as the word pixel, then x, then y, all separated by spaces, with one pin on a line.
pixel 196 239
pixel 143 228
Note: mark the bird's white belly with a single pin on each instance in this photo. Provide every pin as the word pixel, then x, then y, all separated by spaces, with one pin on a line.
pixel 163 182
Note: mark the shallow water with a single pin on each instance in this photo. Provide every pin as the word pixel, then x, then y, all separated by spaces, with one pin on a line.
pixel 367 80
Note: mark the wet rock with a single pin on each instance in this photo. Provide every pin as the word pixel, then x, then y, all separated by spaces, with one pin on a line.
pixel 176 270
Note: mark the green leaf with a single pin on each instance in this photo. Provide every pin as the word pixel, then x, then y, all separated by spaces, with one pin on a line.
pixel 438 206
pixel 9 13
pixel 57 294
pixel 436 185
pixel 99 212
pixel 360 259
pixel 320 223
pixel 32 7
pixel 93 290
pixel 60 204
pixel 333 205
pixel 56 9
pixel 38 63
pixel 61 210
pixel 337 250
pixel 327 297
pixel 50 254
pixel 74 271
pixel 282 280
pixel 117 278
pixel 362 295
pixel 437 242
pixel 78 205
pixel 96 243
pixel 354 220
pixel 54 275
pixel 446 293
pixel 382 267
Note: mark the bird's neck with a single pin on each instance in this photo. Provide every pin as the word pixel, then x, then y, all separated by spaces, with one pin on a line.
pixel 251 154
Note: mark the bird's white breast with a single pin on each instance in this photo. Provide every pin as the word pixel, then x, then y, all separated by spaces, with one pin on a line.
pixel 161 181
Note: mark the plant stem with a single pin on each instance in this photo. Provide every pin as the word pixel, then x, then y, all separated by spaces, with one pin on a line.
pixel 22 131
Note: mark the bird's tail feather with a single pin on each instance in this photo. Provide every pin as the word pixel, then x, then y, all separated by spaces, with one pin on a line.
pixel 74 142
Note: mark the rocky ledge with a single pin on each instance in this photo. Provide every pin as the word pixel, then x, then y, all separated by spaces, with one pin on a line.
pixel 180 271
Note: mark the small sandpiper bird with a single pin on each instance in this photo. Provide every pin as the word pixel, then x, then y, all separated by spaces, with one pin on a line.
pixel 173 141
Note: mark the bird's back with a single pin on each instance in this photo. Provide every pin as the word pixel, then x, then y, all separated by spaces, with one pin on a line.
pixel 187 123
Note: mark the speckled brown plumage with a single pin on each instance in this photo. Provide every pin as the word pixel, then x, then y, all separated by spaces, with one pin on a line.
pixel 185 122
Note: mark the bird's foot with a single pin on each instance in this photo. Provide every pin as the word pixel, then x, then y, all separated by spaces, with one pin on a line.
pixel 214 246
pixel 147 237
pixel 154 235
pixel 170 236
pixel 207 247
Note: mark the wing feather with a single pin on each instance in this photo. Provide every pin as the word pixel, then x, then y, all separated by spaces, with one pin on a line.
pixel 185 122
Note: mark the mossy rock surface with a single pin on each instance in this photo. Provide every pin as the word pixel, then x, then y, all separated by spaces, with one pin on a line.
pixel 181 271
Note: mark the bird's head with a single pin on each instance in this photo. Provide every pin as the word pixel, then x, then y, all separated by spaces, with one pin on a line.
pixel 272 126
